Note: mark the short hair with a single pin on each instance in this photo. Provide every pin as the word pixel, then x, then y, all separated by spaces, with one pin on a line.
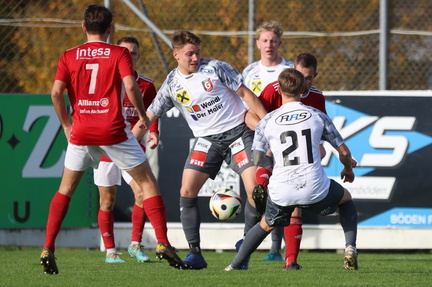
pixel 307 60
pixel 270 26
pixel 182 37
pixel 291 82
pixel 97 19
pixel 131 40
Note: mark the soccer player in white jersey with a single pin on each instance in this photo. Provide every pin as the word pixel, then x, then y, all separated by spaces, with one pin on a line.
pixel 209 94
pixel 293 133
pixel 256 77
pixel 261 73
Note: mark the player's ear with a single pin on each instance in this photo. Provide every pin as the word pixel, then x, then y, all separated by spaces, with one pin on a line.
pixel 279 90
pixel 175 54
pixel 83 27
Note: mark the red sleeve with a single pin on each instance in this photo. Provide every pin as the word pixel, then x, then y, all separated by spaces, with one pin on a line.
pixel 62 73
pixel 270 97
pixel 125 64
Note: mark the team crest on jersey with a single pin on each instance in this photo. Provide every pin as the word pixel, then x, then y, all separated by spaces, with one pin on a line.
pixel 293 117
pixel 183 97
pixel 207 85
pixel 256 86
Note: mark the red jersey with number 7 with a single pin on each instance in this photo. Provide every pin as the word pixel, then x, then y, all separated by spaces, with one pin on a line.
pixel 93 73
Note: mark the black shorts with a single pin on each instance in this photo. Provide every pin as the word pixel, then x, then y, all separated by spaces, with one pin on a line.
pixel 277 215
pixel 233 146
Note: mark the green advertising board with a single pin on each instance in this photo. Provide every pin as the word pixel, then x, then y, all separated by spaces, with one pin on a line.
pixel 32 151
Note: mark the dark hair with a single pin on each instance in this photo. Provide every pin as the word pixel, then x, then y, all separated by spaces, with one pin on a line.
pixel 307 60
pixel 97 19
pixel 182 37
pixel 291 82
pixel 131 40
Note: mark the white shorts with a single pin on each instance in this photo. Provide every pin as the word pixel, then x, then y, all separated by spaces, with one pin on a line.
pixel 125 155
pixel 108 174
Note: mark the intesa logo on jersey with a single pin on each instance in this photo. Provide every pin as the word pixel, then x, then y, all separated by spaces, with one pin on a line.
pixel 92 53
pixel 293 117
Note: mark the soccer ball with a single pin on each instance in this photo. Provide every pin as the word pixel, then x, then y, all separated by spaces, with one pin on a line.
pixel 225 204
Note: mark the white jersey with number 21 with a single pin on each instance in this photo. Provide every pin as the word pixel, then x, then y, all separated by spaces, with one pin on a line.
pixel 293 133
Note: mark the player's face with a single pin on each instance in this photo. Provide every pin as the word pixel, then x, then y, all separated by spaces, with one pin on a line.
pixel 188 58
pixel 133 49
pixel 309 74
pixel 268 43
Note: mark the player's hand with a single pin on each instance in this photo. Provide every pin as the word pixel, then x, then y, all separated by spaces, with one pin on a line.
pixel 140 128
pixel 154 139
pixel 354 163
pixel 347 175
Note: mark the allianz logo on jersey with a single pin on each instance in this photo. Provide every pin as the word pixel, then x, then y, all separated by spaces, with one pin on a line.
pixel 375 143
pixel 87 103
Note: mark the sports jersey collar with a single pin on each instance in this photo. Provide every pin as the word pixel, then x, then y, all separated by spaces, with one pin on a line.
pixel 307 94
pixel 183 75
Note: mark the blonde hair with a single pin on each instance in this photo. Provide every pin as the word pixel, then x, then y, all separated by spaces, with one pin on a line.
pixel 270 26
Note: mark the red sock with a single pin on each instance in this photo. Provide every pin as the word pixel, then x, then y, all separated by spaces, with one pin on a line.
pixel 138 221
pixel 293 234
pixel 57 212
pixel 106 227
pixel 154 207
pixel 262 175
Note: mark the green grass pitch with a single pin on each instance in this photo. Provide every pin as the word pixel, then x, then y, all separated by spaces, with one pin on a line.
pixel 79 267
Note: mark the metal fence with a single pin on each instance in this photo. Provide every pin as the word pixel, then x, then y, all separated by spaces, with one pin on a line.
pixel 345 35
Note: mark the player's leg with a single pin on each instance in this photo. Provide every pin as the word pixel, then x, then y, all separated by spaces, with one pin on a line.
pixel 250 213
pixel 154 208
pixel 130 157
pixel 107 178
pixel 339 198
pixel 250 243
pixel 348 219
pixel 57 211
pixel 135 249
pixel 192 181
pixel 293 234
pixel 107 197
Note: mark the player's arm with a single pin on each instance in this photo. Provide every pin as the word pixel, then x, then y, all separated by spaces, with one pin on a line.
pixel 134 94
pixel 347 174
pixel 251 119
pixel 59 104
pixel 252 101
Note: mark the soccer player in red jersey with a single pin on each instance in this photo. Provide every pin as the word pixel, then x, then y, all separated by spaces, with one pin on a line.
pixel 107 176
pixel 96 76
pixel 271 99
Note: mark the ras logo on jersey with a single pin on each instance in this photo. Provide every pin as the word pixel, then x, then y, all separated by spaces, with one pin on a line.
pixel 207 85
pixel 293 117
